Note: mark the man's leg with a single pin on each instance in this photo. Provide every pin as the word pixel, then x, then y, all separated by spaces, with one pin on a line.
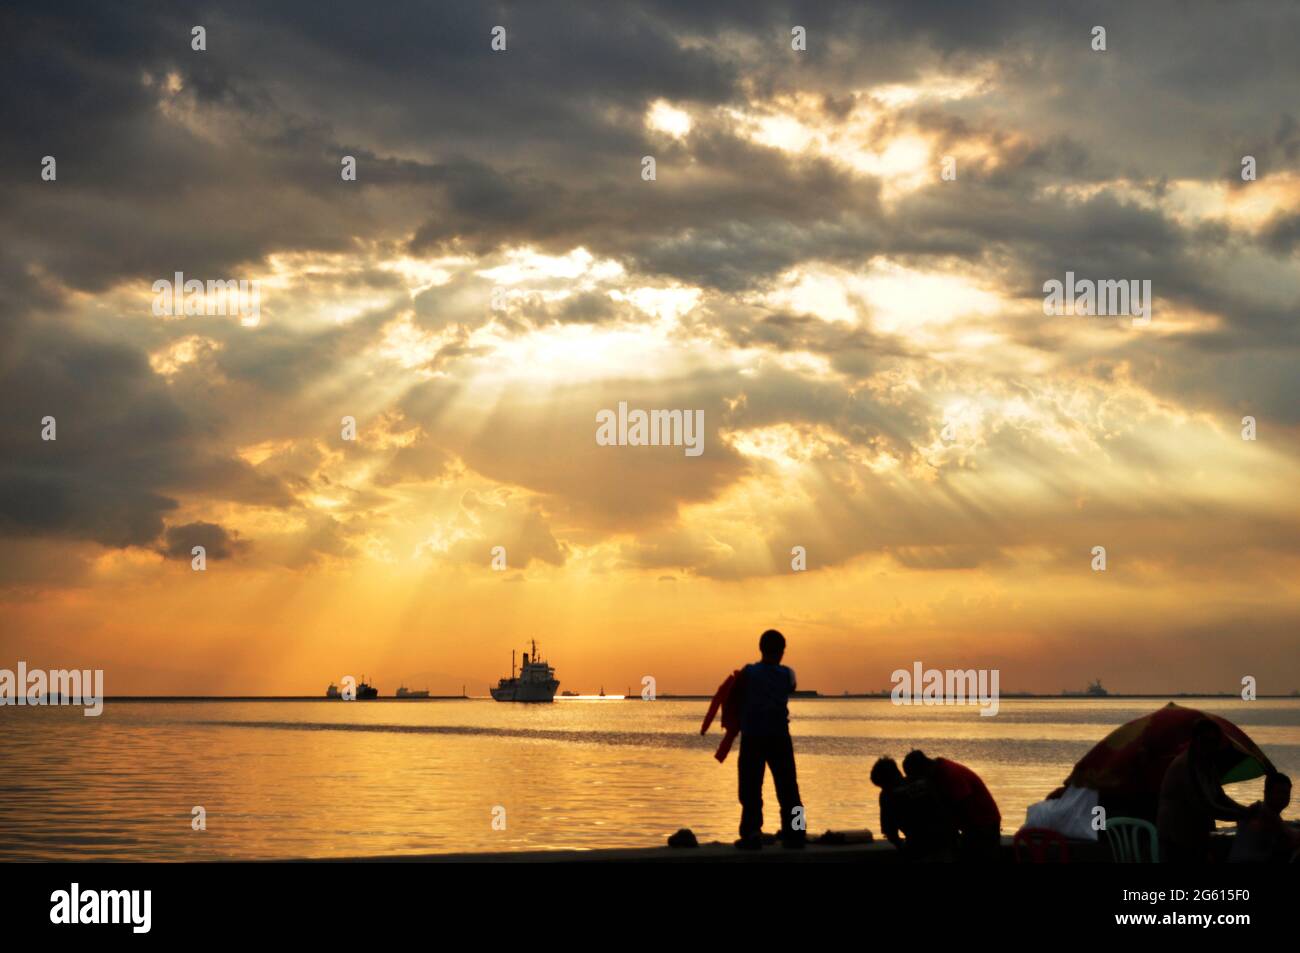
pixel 781 758
pixel 750 773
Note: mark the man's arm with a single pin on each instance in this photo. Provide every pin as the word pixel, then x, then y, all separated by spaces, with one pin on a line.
pixel 887 825
pixel 1223 807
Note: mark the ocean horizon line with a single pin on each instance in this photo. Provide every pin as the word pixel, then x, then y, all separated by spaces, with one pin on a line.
pixel 851 696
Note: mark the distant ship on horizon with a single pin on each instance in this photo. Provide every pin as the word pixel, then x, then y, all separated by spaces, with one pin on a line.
pixel 535 682
pixel 1094 690
pixel 363 691
pixel 404 692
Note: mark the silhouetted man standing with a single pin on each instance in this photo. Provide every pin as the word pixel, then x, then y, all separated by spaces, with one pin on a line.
pixel 765 688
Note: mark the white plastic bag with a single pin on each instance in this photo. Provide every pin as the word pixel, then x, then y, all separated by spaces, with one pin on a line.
pixel 1070 814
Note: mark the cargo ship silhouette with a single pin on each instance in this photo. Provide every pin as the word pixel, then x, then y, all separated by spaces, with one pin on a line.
pixel 535 682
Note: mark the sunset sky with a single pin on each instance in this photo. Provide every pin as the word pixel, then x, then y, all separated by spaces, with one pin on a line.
pixel 867 341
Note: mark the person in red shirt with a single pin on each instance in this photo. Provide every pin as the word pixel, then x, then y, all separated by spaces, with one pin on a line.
pixel 967 798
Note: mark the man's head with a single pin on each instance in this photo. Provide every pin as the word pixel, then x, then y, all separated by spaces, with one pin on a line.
pixel 1277 792
pixel 917 765
pixel 772 644
pixel 885 774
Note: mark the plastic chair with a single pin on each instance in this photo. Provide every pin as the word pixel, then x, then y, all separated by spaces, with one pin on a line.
pixel 1125 836
pixel 1037 843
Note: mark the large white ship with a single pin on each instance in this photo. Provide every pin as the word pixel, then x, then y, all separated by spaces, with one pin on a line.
pixel 535 682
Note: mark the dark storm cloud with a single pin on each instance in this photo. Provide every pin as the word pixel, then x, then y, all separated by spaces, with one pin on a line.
pixel 540 144
pixel 852 350
pixel 467 151
pixel 217 542
pixel 755 214
pixel 281 94
pixel 123 448
pixel 1282 233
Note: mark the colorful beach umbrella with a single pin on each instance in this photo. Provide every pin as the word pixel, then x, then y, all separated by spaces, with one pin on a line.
pixel 1127 767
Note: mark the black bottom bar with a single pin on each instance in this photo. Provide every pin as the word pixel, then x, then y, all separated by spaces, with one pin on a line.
pixel 659 904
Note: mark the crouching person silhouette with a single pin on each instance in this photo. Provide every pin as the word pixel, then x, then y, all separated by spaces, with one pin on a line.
pixel 765 688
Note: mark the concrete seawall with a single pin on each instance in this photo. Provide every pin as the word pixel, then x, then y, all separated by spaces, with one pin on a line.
pixel 879 852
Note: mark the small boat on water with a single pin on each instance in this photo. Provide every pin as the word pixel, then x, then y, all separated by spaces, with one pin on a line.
pixel 333 691
pixel 535 682
pixel 404 692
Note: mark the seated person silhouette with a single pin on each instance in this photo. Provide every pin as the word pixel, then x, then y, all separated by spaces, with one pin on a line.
pixel 966 798
pixel 912 815
pixel 1262 836
pixel 1192 798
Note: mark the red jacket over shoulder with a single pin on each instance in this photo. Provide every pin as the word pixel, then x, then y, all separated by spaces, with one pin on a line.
pixel 729 697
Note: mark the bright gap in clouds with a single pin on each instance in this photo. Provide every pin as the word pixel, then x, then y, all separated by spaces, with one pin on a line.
pixel 890 298
pixel 861 140
pixel 566 353
pixel 663 117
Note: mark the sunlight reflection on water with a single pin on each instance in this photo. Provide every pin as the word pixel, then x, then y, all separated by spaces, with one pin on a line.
pixel 311 779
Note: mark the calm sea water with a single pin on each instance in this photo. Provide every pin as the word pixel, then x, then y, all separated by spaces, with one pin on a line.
pixel 316 779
